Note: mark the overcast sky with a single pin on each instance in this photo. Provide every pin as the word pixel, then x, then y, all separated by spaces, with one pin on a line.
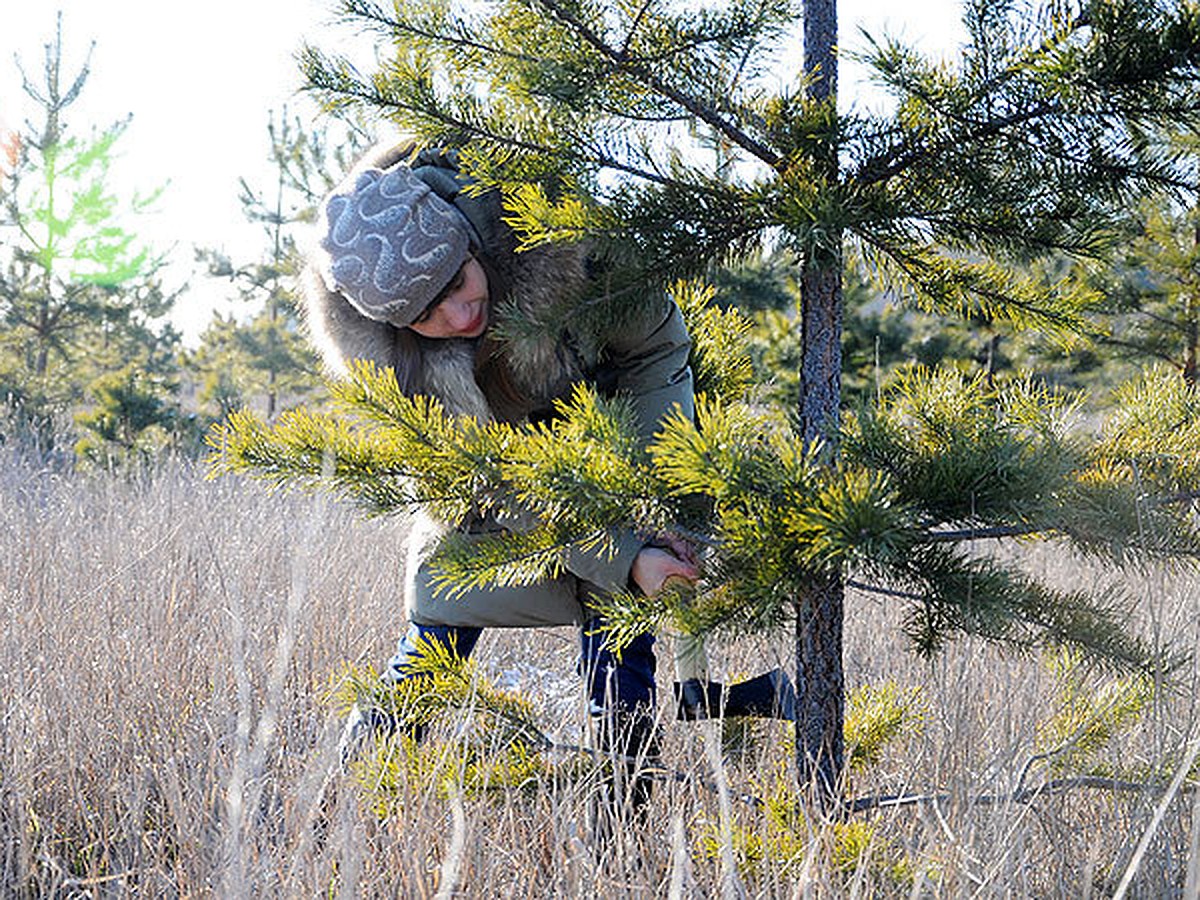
pixel 200 79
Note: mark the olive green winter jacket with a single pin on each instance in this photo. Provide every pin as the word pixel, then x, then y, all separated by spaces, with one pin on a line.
pixel 636 348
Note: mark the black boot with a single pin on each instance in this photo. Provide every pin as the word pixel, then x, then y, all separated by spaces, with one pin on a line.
pixel 363 723
pixel 768 696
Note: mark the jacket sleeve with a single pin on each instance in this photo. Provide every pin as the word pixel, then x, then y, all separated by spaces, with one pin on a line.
pixel 608 569
pixel 648 365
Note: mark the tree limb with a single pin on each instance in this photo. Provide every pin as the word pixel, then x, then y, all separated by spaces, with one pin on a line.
pixel 361 91
pixel 625 63
pixel 1024 795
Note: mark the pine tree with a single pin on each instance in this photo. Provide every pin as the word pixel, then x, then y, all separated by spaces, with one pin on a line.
pixel 1154 296
pixel 644 128
pixel 132 417
pixel 80 295
pixel 267 355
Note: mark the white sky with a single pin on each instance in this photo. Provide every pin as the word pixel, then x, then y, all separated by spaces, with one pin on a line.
pixel 200 79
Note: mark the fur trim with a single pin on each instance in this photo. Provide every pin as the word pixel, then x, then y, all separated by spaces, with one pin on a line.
pixel 544 280
pixel 339 332
pixel 543 366
pixel 449 373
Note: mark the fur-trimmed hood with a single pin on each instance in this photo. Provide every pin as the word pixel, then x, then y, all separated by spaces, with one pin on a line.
pixel 541 367
pixel 541 362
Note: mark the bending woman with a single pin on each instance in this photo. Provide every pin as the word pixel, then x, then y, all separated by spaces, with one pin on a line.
pixel 411 272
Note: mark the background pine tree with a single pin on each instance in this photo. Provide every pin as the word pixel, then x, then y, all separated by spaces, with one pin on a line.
pixel 80 294
pixel 263 357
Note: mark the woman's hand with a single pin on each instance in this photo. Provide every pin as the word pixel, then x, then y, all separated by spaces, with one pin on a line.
pixel 667 557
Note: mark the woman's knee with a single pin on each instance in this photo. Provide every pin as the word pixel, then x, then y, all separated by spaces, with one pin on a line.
pixel 419 640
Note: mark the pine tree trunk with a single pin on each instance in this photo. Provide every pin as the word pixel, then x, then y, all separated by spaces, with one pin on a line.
pixel 42 333
pixel 272 350
pixel 1192 336
pixel 1192 330
pixel 820 754
pixel 992 357
pixel 273 300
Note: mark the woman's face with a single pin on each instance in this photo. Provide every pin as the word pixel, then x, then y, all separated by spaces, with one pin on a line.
pixel 462 309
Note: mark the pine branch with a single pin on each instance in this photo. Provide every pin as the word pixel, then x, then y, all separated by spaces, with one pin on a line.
pixel 1116 102
pixel 961 226
pixel 882 591
pixel 950 282
pixel 463 563
pixel 1171 324
pixel 1141 349
pixel 1179 497
pixel 460 40
pixel 1053 787
pixel 686 48
pixel 896 161
pixel 643 74
pixel 321 79
pixel 975 534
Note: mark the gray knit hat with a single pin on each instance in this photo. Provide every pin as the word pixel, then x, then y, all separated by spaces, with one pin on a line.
pixel 391 244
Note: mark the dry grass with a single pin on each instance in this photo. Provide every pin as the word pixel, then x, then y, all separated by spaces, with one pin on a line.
pixel 167 656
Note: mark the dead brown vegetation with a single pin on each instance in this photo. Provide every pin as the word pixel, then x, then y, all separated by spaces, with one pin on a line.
pixel 168 653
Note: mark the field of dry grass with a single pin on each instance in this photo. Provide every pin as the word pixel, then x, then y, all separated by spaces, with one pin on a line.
pixel 168 654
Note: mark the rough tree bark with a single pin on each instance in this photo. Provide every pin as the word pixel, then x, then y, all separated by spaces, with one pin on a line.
pixel 820 752
pixel 1192 335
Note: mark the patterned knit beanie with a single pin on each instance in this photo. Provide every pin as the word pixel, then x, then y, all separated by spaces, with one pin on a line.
pixel 391 244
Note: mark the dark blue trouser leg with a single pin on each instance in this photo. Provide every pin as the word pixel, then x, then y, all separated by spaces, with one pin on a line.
pixel 621 700
pixel 624 684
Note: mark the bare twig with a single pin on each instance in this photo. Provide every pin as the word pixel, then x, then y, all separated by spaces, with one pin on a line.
pixel 886 592
pixel 451 870
pixel 978 534
pixel 1053 787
